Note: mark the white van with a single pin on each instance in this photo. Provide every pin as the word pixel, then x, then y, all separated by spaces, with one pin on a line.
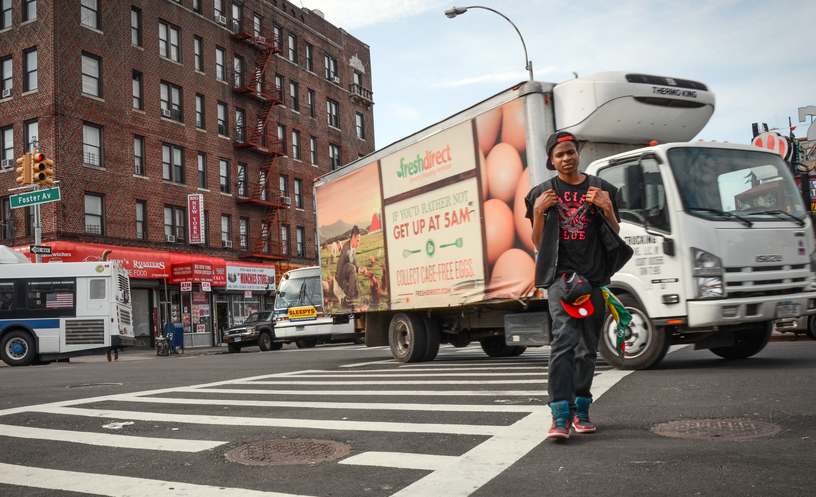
pixel 299 314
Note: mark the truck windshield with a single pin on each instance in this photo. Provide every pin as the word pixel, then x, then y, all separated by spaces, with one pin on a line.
pixel 289 293
pixel 256 317
pixel 736 185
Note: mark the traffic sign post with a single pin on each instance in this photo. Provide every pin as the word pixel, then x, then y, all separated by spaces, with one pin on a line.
pixel 40 249
pixel 34 197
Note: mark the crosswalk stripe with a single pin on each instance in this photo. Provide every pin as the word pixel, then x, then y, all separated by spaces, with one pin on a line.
pixel 108 439
pixel 405 374
pixel 116 486
pixel 381 393
pixel 401 460
pixel 400 382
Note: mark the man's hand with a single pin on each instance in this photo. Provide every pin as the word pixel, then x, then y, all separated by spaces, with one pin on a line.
pixel 599 198
pixel 544 202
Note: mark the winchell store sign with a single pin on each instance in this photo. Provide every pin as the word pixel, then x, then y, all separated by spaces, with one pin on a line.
pixel 259 278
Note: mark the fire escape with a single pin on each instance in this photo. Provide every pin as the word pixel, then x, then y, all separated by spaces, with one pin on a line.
pixel 268 243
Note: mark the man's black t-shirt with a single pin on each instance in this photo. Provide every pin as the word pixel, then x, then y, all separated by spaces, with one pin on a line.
pixel 579 245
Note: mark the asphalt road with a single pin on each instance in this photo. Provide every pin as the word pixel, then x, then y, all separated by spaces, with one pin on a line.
pixel 461 425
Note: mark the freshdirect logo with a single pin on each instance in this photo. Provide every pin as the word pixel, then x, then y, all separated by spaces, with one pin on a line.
pixel 421 164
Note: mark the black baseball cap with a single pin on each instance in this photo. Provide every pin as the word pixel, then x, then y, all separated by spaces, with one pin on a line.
pixel 577 300
pixel 555 139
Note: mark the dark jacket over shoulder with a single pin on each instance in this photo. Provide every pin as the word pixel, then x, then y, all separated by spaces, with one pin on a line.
pixel 616 251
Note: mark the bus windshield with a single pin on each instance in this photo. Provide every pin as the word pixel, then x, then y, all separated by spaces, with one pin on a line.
pixel 741 185
pixel 297 292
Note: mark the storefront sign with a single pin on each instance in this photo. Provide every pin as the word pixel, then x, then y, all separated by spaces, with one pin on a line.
pixel 192 272
pixel 186 286
pixel 248 294
pixel 259 278
pixel 201 328
pixel 302 314
pixel 205 287
pixel 195 218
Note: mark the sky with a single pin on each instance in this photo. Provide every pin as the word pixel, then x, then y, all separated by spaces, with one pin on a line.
pixel 756 56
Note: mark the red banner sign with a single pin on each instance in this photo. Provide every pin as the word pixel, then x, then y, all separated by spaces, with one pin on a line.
pixel 195 217
pixel 194 272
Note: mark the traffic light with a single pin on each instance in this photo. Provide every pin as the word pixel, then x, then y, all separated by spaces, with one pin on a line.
pixel 24 171
pixel 43 174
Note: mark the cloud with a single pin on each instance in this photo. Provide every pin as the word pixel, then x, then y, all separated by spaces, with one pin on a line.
pixel 356 14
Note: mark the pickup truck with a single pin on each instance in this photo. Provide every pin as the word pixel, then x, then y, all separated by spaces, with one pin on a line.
pixel 257 329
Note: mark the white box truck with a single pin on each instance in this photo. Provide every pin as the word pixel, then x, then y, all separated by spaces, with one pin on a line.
pixel 425 241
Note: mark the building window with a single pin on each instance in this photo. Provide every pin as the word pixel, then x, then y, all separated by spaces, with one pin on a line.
pixel 224 175
pixel 333 112
pixel 358 78
pixel 202 170
pixel 292 48
pixel 237 17
pixel 137 91
pixel 276 36
pixel 283 183
pixel 264 188
pixel 240 126
pixel 32 131
pixel 243 185
pixel 358 119
pixel 238 71
pixel 171 98
pixel 172 163
pixel 296 144
pixel 330 65
pixel 300 238
pixel 334 156
pixel 94 214
pixel 309 58
pixel 136 26
pixel 169 41
pixel 29 221
pixel 257 20
pixel 30 69
pixel 299 193
pixel 265 237
pixel 222 119
pixel 197 51
pixel 139 155
pixel 284 239
pixel 92 145
pixel 226 231
pixel 91 75
pixel 175 224
pixel 90 13
pixel 199 111
pixel 141 220
pixel 218 7
pixel 5 16
pixel 313 149
pixel 279 87
pixel 220 57
pixel 282 134
pixel 6 73
pixel 7 213
pixel 293 96
pixel 243 233
pixel 29 10
pixel 197 6
pixel 7 137
pixel 311 100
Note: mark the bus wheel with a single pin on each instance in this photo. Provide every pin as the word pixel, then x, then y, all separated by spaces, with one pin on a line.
pixel 407 337
pixel 496 347
pixel 265 342
pixel 17 348
pixel 233 348
pixel 645 344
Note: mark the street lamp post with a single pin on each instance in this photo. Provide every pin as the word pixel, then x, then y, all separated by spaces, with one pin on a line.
pixel 455 11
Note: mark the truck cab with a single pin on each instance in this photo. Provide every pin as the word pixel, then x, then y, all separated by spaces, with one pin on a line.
pixel 723 247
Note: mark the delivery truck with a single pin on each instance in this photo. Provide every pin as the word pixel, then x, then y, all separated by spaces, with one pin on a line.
pixel 425 241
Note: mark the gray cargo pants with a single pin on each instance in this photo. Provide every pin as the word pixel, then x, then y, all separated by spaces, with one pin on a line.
pixel 574 347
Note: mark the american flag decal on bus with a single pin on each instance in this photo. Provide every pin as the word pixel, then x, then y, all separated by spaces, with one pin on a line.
pixel 59 300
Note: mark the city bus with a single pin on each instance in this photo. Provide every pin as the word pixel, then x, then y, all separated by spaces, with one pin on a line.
pixel 55 311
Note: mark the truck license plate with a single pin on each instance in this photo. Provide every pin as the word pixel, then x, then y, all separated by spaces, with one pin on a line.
pixel 787 310
pixel 236 339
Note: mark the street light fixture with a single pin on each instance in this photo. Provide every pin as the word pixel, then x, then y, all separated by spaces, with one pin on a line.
pixel 455 11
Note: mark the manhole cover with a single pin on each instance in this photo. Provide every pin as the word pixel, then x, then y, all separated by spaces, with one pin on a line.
pixel 288 452
pixel 717 429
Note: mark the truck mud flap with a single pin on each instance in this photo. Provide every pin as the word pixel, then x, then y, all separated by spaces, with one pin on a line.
pixel 530 329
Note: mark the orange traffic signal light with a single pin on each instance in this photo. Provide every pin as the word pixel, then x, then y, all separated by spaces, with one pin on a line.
pixel 24 171
pixel 43 174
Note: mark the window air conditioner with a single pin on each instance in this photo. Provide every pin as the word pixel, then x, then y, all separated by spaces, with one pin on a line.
pixel 7 93
pixel 336 80
pixel 287 200
pixel 226 243
pixel 170 238
pixel 221 19
pixel 261 38
pixel 166 113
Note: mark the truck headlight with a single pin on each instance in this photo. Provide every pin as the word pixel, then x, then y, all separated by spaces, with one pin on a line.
pixel 708 275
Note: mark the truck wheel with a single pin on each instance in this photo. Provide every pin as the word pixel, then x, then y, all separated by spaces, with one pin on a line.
pixel 496 347
pixel 305 343
pixel 233 348
pixel 407 338
pixel 810 329
pixel 748 345
pixel 518 350
pixel 433 336
pixel 265 342
pixel 17 348
pixel 645 344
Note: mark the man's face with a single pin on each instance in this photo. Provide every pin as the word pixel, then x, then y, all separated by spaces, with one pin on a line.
pixel 355 240
pixel 565 157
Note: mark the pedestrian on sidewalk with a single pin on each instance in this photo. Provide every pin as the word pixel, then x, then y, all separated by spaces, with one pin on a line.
pixel 575 230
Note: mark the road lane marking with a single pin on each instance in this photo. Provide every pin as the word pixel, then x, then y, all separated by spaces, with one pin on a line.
pixel 116 486
pixel 317 424
pixel 412 382
pixel 401 460
pixel 406 374
pixel 109 439
pixel 381 393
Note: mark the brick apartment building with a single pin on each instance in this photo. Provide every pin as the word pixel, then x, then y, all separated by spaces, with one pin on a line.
pixel 143 103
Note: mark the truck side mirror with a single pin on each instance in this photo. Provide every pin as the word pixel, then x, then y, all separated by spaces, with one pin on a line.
pixel 635 191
